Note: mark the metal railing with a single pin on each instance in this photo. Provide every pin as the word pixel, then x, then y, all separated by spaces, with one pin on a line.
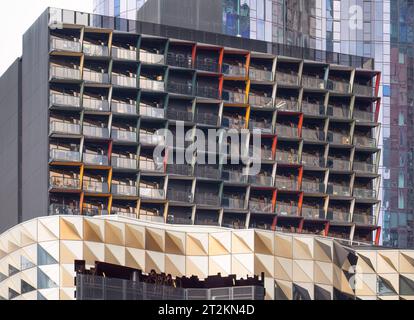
pixel 263 205
pixel 365 167
pixel 233 70
pixel 234 176
pixel 361 115
pixel 313 135
pixel 64 73
pixel 179 60
pixel 65 45
pixel 182 115
pixel 124 135
pixel 180 87
pixel 152 58
pixel 62 182
pixel 362 193
pixel 64 155
pixel 287 78
pixel 56 209
pixel 361 141
pixel 340 138
pixel 207 65
pixel 151 139
pixel 152 112
pixel 64 100
pixel 364 219
pixel 233 203
pixel 179 169
pixel 234 97
pixel 91 212
pixel 151 165
pixel 153 85
pixel 124 81
pixel 123 108
pixel 180 196
pixel 341 112
pixel 314 109
pixel 339 190
pixel 124 190
pixel 124 214
pixel 64 128
pixel 97 132
pixel 206 118
pixel 124 54
pixel 95 159
pixel 95 50
pixel 208 199
pixel 261 180
pixel 233 123
pixel 287 105
pixel 95 104
pixel 95 186
pixel 260 75
pixel 207 92
pixel 337 215
pixel 313 82
pixel 283 209
pixel 363 90
pixel 310 160
pixel 287 157
pixel 148 193
pixel 313 186
pixel 312 212
pixel 172 219
pixel 124 163
pixel 207 171
pixel 264 127
pixel 265 154
pixel 260 101
pixel 287 131
pixel 338 86
pixel 339 164
pixel 284 183
pixel 95 76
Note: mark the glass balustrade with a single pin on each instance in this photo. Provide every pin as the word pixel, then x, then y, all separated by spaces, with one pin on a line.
pixel 95 186
pixel 338 86
pixel 124 163
pixel 313 186
pixel 364 219
pixel 284 209
pixel 151 112
pixel 65 45
pixel 310 160
pixel 339 190
pixel 261 205
pixel 287 131
pixel 153 85
pixel 260 75
pixel 95 76
pixel 95 50
pixel 261 180
pixel 361 115
pixel 95 159
pixel 233 203
pixel 155 194
pixel 234 97
pixel 260 101
pixel 365 167
pixel 287 105
pixel 313 135
pixel 124 81
pixel 96 132
pixel 64 73
pixel 287 157
pixel 150 165
pixel 207 92
pixel 313 82
pixel 124 190
pixel 313 109
pixel 124 54
pixel 124 135
pixel 338 215
pixel 309 212
pixel 287 78
pixel 263 126
pixel 284 183
pixel 363 90
pixel 233 70
pixel 64 155
pixel 151 58
pixel 123 108
pixel 179 60
pixel 63 182
pixel 64 128
pixel 64 100
pixel 56 209
pixel 367 142
pixel 365 193
pixel 95 104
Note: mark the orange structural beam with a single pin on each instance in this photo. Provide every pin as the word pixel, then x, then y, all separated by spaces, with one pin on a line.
pixel 274 223
pixel 221 85
pixel 327 225
pixel 110 204
pixel 248 58
pixel 110 147
pixel 300 178
pixel 301 223
pixel 274 198
pixel 300 125
pixel 300 203
pixel 246 99
pixel 82 200
pixel 274 147
pixel 194 55
pixel 221 58
pixel 377 236
pixel 248 110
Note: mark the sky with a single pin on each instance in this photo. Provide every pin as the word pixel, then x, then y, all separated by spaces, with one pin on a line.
pixel 16 16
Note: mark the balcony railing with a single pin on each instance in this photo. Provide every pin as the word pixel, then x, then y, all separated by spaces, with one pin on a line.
pixel 64 128
pixel 180 169
pixel 313 82
pixel 151 112
pixel 313 186
pixel 339 190
pixel 64 73
pixel 152 58
pixel 338 86
pixel 287 131
pixel 287 157
pixel 287 78
pixel 287 105
pixel 207 171
pixel 363 90
pixel 64 155
pixel 124 54
pixel 310 160
pixel 361 193
pixel 124 163
pixel 151 139
pixel 65 45
pixel 263 205
pixel 151 166
pixel 365 167
pixel 361 115
pixel 206 118
pixel 339 138
pixel 339 164
pixel 366 142
pixel 233 123
pixel 234 97
pixel 234 176
pixel 172 219
pixel 91 212
pixel 207 65
pixel 95 104
pixel 313 109
pixel 153 85
pixel 337 215
pixel 313 135
pixel 56 209
pixel 96 77
pixel 95 159
pixel 179 60
pixel 96 132
pixel 265 154
pixel 61 182
pixel 95 186
pixel 123 108
pixel 283 209
pixel 341 112
pixel 180 87
pixel 264 127
pixel 152 218
pixel 95 50
pixel 312 212
pixel 124 135
pixel 364 219
pixel 206 221
pixel 207 92
pixel 233 70
pixel 154 194
pixel 284 183
pixel 260 101
pixel 233 203
pixel 124 81
pixel 182 115
pixel 208 199
pixel 124 214
pixel 180 196
pixel 260 75
pixel 124 190
pixel 261 180
pixel 64 100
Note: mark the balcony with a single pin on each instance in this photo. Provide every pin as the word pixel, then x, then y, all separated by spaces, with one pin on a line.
pixel 260 75
pixel 310 160
pixel 153 194
pixel 171 219
pixel 95 104
pixel 234 176
pixel 64 73
pixel 124 190
pixel 313 135
pixel 309 212
pixel 313 109
pixel 124 108
pixel 95 77
pixel 340 112
pixel 207 171
pixel 151 166
pixel 151 112
pixel 265 154
pixel 313 82
pixel 180 87
pixel 338 215
pixel 339 138
pixel 286 210
pixel 208 199
pixel 124 163
pixel 284 183
pixel 313 186
pixel 95 186
pixel 124 135
pixel 339 164
pixel 209 65
pixel 124 54
pixel 287 131
pixel 64 100
pixel 287 78
pixel 287 157
pixel 95 159
pixel 364 116
pixel 206 118
pixel 260 101
pixel 364 219
pixel 264 127
pixel 261 180
pixel 261 206
pixel 287 105
pixel 95 132
pixel 61 182
pixel 179 60
pixel 151 58
pixel 180 196
pixel 91 212
pixel 153 85
pixel 234 97
pixel 124 81
pixel 95 50
pixel 56 209
pixel 180 169
pixel 233 70
pixel 65 128
pixel 151 139
pixel 65 45
pixel 64 155
pixel 180 115
pixel 363 90
pixel 365 167
pixel 124 214
pixel 365 142
pixel 339 190
pixel 233 123
pixel 362 193
pixel 233 203
pixel 338 86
